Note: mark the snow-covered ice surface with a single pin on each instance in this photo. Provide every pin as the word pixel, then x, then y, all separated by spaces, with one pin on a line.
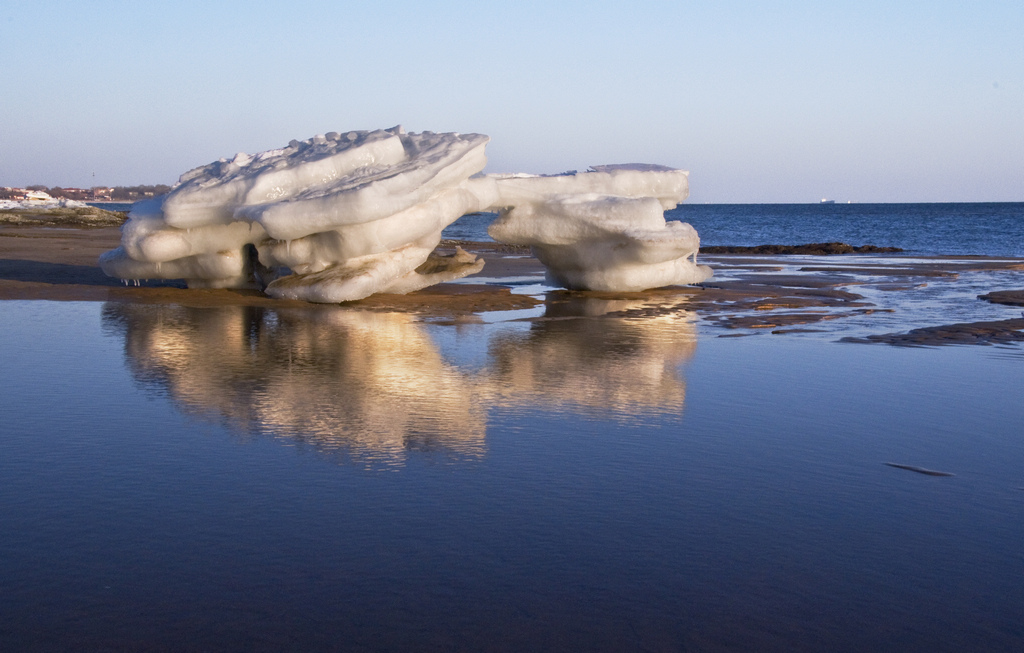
pixel 51 203
pixel 340 217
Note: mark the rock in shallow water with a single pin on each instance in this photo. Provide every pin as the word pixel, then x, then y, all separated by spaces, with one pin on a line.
pixel 973 333
pixel 816 249
pixel 1007 297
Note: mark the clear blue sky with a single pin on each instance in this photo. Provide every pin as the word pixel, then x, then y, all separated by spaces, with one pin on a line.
pixel 761 101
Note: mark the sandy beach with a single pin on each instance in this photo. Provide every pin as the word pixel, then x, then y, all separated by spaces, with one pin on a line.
pixel 60 264
pixel 749 293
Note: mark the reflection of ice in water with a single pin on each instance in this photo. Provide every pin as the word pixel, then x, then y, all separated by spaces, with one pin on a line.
pixel 370 385
pixel 373 386
pixel 582 355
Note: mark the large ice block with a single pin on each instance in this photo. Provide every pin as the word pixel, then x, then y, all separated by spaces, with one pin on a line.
pixel 341 216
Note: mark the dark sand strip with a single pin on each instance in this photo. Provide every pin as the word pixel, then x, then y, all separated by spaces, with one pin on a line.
pixel 1007 297
pixel 999 332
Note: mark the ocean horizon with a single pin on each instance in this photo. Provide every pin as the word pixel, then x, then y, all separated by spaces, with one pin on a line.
pixel 927 229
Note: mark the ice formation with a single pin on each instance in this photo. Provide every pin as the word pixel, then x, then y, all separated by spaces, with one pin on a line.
pixel 346 215
pixel 342 216
pixel 604 229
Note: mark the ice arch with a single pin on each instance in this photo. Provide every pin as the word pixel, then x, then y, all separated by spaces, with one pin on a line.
pixel 340 217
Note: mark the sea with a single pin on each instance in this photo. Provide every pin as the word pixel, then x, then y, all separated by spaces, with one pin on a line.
pixel 984 228
pixel 327 479
pixel 964 228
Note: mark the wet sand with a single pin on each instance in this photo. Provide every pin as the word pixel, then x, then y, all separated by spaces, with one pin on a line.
pixel 61 264
pixel 749 293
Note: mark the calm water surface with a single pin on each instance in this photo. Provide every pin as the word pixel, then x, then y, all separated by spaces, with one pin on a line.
pixel 983 228
pixel 322 479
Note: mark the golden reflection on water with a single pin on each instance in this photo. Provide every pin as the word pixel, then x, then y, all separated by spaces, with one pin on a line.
pixel 580 356
pixel 374 386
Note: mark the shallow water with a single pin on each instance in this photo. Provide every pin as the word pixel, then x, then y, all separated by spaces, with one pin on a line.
pixel 322 479
pixel 899 303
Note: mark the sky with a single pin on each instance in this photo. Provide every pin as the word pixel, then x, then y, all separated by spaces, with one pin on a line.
pixel 894 101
